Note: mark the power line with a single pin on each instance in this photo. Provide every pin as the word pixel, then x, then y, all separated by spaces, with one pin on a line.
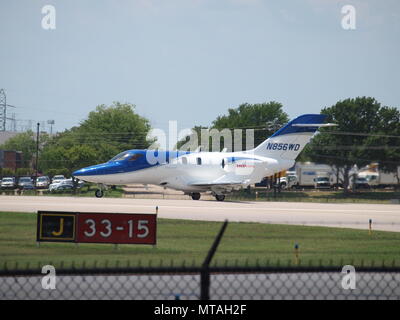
pixel 360 134
pixel 355 147
pixel 369 160
pixel 74 115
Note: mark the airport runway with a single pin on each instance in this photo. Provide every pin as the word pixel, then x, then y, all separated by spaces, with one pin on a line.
pixel 384 216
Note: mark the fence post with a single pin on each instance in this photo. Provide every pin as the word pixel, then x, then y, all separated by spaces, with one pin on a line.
pixel 204 284
pixel 205 271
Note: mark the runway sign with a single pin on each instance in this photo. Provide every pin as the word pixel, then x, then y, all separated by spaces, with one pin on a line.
pixel 116 228
pixel 56 226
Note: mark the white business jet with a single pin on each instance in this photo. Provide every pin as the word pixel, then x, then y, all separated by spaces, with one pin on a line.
pixel 218 172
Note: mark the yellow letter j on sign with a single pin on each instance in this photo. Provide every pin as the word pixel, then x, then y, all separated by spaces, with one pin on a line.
pixel 56 226
pixel 61 231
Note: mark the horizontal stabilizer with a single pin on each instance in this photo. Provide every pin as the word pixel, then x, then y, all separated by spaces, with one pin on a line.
pixel 314 125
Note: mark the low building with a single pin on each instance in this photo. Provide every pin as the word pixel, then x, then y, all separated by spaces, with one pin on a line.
pixel 10 159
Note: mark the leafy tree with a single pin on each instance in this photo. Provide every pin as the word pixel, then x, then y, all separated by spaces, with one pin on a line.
pixel 80 156
pixel 386 141
pixel 24 172
pixel 107 131
pixel 352 141
pixel 4 172
pixel 117 125
pixel 264 118
pixel 192 142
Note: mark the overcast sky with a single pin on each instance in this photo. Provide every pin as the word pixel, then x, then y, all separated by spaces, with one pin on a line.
pixel 191 60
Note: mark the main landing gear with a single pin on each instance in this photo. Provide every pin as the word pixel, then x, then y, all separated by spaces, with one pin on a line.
pixel 218 197
pixel 195 195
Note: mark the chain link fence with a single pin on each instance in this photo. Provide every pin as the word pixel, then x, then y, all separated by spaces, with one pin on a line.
pixel 192 283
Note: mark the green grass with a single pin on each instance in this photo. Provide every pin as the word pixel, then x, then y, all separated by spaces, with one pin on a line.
pixel 185 241
pixel 379 197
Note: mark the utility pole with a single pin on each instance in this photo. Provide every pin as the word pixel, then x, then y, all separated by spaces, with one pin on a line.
pixel 37 150
pixel 14 123
pixel 51 122
pixel 3 110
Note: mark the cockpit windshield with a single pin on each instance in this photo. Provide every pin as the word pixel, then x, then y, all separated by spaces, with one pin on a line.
pixel 121 156
pixel 126 155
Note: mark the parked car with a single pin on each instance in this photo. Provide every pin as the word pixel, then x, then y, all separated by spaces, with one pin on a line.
pixel 8 183
pixel 42 182
pixel 80 184
pixel 58 178
pixel 25 183
pixel 61 185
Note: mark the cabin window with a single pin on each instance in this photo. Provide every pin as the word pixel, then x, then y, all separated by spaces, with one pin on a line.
pixel 135 157
pixel 184 160
pixel 223 163
pixel 199 161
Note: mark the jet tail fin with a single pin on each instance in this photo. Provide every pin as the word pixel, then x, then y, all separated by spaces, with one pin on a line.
pixel 291 139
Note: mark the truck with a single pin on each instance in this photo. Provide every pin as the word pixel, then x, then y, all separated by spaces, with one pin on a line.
pixel 303 175
pixel 286 181
pixel 377 178
pixel 312 175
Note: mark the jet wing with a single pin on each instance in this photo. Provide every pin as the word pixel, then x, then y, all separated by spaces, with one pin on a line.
pixel 224 181
pixel 213 184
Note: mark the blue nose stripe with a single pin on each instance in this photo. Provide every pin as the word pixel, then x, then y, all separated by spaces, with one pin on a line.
pixel 112 168
pixel 100 169
pixel 78 173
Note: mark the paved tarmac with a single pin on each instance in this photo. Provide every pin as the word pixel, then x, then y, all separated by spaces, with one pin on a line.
pixel 384 216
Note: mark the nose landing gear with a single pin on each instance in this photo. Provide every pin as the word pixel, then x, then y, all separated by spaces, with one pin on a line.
pixel 99 193
pixel 220 197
